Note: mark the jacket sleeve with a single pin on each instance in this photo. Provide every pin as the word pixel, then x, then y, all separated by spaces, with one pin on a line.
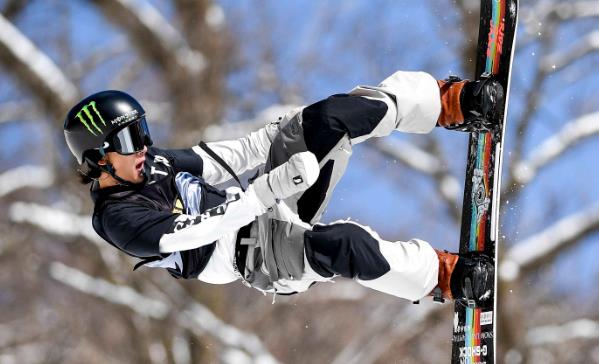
pixel 145 232
pixel 190 232
pixel 136 229
pixel 241 154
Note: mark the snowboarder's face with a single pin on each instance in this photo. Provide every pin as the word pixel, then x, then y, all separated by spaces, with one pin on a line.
pixel 128 167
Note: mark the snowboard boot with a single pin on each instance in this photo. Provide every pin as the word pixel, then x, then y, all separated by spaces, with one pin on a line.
pixel 467 279
pixel 470 105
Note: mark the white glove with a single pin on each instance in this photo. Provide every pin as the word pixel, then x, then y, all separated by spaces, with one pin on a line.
pixel 294 176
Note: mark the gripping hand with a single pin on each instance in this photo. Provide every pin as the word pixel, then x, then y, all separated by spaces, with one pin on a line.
pixel 294 176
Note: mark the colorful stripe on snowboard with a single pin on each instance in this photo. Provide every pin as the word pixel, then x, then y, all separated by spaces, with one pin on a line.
pixel 481 192
pixel 495 44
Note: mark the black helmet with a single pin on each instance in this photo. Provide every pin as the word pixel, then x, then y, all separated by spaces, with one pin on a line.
pixel 106 121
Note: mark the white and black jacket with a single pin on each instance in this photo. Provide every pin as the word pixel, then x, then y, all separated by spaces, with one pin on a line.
pixel 149 220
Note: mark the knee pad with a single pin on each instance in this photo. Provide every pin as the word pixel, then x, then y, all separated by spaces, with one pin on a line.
pixel 344 249
pixel 327 121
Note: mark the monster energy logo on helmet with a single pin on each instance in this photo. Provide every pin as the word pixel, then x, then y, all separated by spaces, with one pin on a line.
pixel 88 119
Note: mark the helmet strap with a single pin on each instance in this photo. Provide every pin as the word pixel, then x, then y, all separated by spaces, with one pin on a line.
pixel 108 168
pixel 84 173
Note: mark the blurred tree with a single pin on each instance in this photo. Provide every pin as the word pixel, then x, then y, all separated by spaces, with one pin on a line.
pixel 196 65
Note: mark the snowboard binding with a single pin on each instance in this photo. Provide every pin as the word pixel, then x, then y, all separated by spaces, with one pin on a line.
pixel 473 284
pixel 480 103
pixel 466 278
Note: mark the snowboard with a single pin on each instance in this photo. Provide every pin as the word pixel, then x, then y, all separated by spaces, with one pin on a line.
pixel 474 328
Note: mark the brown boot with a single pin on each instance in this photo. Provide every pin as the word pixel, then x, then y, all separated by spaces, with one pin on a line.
pixel 447 264
pixel 451 110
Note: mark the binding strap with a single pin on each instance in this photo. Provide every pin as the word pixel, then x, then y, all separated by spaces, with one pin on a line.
pixel 220 161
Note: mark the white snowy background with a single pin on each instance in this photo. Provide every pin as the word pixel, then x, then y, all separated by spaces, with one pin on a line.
pixel 217 69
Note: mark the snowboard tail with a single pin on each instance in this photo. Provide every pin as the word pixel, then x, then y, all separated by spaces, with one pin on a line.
pixel 474 329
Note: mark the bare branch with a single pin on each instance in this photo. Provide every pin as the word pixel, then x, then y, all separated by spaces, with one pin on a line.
pixel 384 333
pixel 121 295
pixel 11 111
pixel 26 336
pixel 26 353
pixel 155 37
pixel 230 130
pixel 577 9
pixel 408 154
pixel 426 163
pixel 54 221
pixel 196 318
pixel 12 8
pixel 565 10
pixel 542 246
pixel 573 133
pixel 378 325
pixel 544 16
pixel 61 223
pixel 534 97
pixel 558 334
pixel 41 75
pixel 157 112
pixel 79 69
pixel 469 12
pixel 23 177
pixel 560 60
pixel 342 290
pixel 128 74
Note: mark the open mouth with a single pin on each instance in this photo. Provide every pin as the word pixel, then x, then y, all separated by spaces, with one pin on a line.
pixel 140 166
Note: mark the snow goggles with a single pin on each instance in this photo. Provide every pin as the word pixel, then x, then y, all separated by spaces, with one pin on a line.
pixel 129 140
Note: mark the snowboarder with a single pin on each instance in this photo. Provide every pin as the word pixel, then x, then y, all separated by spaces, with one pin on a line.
pixel 161 205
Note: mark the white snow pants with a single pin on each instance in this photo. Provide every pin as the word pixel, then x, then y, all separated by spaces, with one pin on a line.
pixel 405 101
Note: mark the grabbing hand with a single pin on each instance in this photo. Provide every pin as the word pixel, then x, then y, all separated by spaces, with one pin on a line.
pixel 294 176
